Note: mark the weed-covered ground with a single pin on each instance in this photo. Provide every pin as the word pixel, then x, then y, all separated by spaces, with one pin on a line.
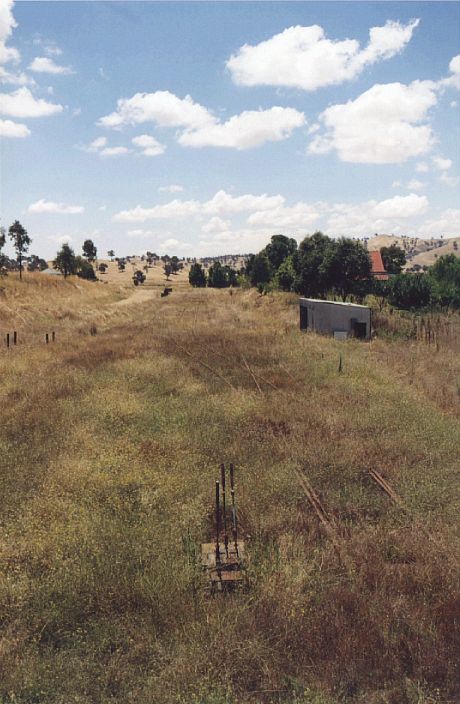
pixel 110 445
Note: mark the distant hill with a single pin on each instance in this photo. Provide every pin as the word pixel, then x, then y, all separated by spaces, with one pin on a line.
pixel 419 252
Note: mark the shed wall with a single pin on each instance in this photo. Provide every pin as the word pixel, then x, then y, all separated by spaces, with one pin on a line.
pixel 329 317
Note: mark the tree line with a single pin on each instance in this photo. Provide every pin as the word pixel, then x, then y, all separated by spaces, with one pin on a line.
pixel 323 267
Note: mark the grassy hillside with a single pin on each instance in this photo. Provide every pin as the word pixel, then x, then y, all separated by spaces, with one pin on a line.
pixel 423 252
pixel 109 449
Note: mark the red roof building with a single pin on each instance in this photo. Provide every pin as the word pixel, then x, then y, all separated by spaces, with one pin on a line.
pixel 378 270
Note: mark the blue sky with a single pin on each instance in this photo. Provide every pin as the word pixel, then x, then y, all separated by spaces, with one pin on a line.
pixel 204 128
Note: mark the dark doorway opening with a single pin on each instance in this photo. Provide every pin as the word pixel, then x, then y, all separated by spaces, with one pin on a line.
pixel 303 318
pixel 360 330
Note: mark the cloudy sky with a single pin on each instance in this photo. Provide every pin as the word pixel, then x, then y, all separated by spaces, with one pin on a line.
pixel 204 128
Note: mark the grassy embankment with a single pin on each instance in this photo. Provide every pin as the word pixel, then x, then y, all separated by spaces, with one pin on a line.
pixel 109 448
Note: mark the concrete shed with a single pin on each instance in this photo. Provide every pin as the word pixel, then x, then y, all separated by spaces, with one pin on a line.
pixel 341 320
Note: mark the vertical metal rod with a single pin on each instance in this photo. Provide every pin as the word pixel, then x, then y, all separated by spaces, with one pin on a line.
pixel 232 492
pixel 46 338
pixel 7 339
pixel 217 524
pixel 15 338
pixel 224 508
pixel 234 523
pixel 53 336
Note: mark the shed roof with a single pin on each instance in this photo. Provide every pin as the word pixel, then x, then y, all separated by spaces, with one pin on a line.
pixel 333 303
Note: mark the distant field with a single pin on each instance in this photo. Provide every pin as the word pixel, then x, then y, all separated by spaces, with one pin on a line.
pixel 109 448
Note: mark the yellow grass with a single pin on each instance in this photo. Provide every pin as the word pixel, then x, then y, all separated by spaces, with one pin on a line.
pixel 109 449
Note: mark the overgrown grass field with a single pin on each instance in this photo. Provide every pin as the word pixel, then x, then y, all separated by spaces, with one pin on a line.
pixel 109 448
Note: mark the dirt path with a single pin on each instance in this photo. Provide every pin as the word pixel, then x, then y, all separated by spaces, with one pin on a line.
pixel 138 295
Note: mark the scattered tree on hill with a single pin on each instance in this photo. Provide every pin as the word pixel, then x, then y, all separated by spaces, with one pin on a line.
pixel 394 258
pixel 89 250
pixel 167 269
pixel 84 269
pixel 216 276
pixel 121 265
pixel 138 277
pixel 231 276
pixel 21 242
pixel 111 254
pixel 35 263
pixel 197 276
pixel 66 261
pixel 3 269
pixel 176 265
pixel 102 268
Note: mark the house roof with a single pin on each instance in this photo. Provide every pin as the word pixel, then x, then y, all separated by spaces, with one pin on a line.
pixel 378 270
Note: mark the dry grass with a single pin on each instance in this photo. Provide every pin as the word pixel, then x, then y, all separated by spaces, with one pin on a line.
pixel 109 448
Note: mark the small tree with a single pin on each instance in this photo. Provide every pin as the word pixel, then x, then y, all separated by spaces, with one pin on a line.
pixel 84 269
pixel 168 270
pixel 102 268
pixel 21 242
pixel 410 290
pixel 393 258
pixel 138 277
pixel 231 276
pixel 111 254
pixel 35 263
pixel 261 270
pixel 3 260
pixel 216 276
pixel 197 276
pixel 445 275
pixel 121 265
pixel 66 261
pixel 89 250
pixel 176 265
pixel 285 275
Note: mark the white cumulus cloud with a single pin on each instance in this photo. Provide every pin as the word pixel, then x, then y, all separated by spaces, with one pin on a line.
pixel 43 64
pixel 386 124
pixel 114 151
pixel 215 225
pixel 149 145
pixel 299 216
pixel 441 164
pixel 7 24
pixel 303 57
pixel 200 128
pixel 162 107
pixel 249 129
pixel 21 103
pixel 49 206
pixel 8 128
pixel 221 203
pixel 415 185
